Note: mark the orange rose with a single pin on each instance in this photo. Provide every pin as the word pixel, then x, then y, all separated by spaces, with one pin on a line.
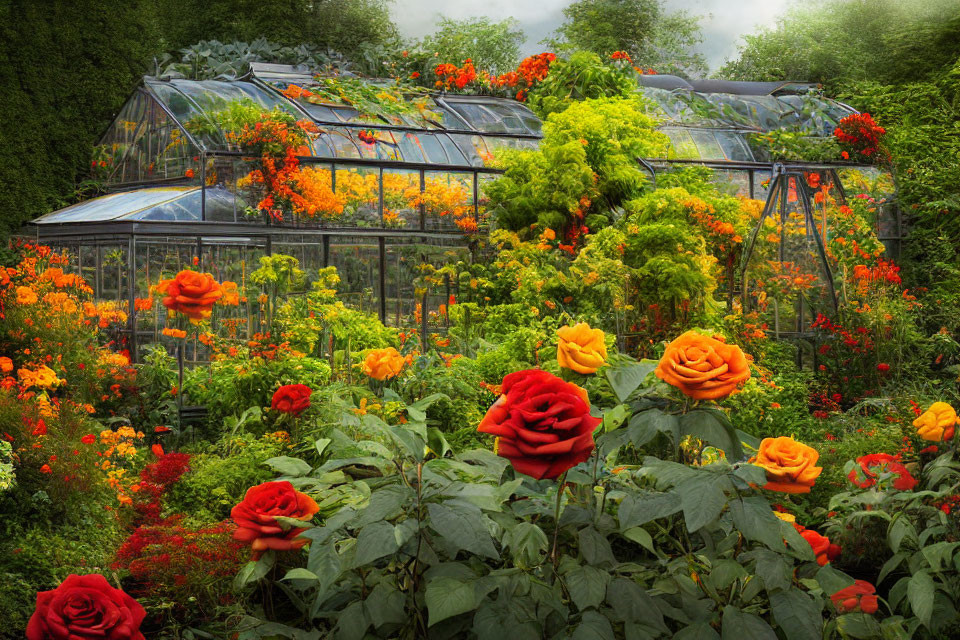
pixel 580 348
pixel 936 423
pixel 790 465
pixel 6 364
pixel 192 294
pixel 381 364
pixel 703 368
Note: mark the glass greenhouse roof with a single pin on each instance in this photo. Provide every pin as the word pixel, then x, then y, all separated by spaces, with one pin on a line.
pixel 167 204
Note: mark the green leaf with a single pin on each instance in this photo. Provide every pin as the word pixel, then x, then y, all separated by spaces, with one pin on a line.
pixel 462 527
pixel 418 410
pixel 702 501
pixel 321 445
pixel 385 605
pixel 725 572
pixel 939 554
pixel 697 631
pixel 861 625
pixel 772 568
pixel 712 426
pixel 448 597
pixel 587 585
pixel 288 466
pixel 631 603
pixel 751 474
pixel 437 442
pixel 375 540
pixel 831 580
pixel 627 379
pixel 528 543
pixel 797 615
pixel 901 530
pixel 753 517
pixel 254 571
pixel 300 574
pixel 593 626
pixel 895 561
pixel 640 508
pixel 595 548
pixel 641 536
pixel 920 592
pixel 738 625
pixel 614 418
pixel 384 504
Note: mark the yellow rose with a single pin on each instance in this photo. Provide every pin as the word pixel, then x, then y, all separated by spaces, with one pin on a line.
pixel 580 348
pixel 936 423
pixel 790 465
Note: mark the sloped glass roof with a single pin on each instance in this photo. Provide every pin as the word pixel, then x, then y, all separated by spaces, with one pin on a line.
pixel 167 204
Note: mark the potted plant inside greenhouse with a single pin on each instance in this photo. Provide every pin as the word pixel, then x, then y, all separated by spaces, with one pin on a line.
pixel 594 319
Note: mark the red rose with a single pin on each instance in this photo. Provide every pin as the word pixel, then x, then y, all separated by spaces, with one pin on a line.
pixel 291 398
pixel 820 545
pixel 859 595
pixel 543 424
pixel 85 607
pixel 256 517
pixel 871 466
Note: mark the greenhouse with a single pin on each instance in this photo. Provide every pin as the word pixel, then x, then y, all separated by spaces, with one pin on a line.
pixel 395 183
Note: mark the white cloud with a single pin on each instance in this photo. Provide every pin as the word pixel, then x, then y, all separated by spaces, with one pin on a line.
pixel 723 23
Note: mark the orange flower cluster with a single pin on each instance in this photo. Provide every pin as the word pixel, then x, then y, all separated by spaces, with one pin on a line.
pixel 451 76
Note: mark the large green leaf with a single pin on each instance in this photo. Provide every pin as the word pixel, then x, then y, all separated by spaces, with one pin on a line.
pixel 797 615
pixel 831 580
pixel 375 540
pixel 528 544
pixel 640 508
pixel 288 466
pixel 587 585
pixel 920 593
pixel 631 603
pixel 384 504
pixel 595 548
pixel 593 626
pixel 448 597
pixel 461 525
pixel 626 379
pixel 702 501
pixel 755 520
pixel 386 605
pixel 738 625
pixel 712 426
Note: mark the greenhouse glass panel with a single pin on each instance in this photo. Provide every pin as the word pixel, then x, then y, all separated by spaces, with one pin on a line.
pixel 359 191
pixel 322 204
pixel 448 201
pixel 707 144
pixel 682 142
pixel 357 260
pixel 116 205
pixel 401 199
pixel 734 147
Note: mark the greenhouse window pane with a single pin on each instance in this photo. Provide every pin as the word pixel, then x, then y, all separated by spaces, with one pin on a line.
pixel 115 205
pixel 707 144
pixel 682 142
pixel 733 145
pixel 479 117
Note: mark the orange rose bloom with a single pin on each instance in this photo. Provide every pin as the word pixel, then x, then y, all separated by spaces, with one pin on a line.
pixel 381 364
pixel 192 294
pixel 936 423
pixel 6 364
pixel 580 348
pixel 790 465
pixel 703 368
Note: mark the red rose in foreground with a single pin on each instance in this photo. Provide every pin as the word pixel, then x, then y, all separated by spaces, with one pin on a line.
pixel 860 595
pixel 85 607
pixel 291 398
pixel 543 424
pixel 256 517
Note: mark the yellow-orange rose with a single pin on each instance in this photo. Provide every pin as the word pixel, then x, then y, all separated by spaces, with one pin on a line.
pixel 191 293
pixel 703 368
pixel 790 465
pixel 936 423
pixel 381 364
pixel 580 348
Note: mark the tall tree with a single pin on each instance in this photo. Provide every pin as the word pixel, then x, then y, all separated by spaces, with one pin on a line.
pixel 644 29
pixel 492 45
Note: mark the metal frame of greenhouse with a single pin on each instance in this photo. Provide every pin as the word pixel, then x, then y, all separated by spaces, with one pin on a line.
pixel 156 221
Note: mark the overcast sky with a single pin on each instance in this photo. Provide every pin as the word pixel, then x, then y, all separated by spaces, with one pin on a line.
pixel 724 21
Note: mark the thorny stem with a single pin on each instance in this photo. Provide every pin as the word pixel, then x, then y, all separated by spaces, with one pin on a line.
pixel 556 519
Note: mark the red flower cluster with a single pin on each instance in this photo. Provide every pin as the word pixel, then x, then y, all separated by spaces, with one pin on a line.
pixel 861 595
pixel 621 55
pixel 861 134
pixel 884 271
pixel 821 545
pixel 367 137
pixel 863 344
pixel 452 76
pixel 531 70
pixel 155 480
pixel 871 467
pixel 169 560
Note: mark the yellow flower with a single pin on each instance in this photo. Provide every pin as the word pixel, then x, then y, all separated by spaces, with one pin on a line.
pixel 937 423
pixel 381 364
pixel 580 348
pixel 786 517
pixel 26 295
